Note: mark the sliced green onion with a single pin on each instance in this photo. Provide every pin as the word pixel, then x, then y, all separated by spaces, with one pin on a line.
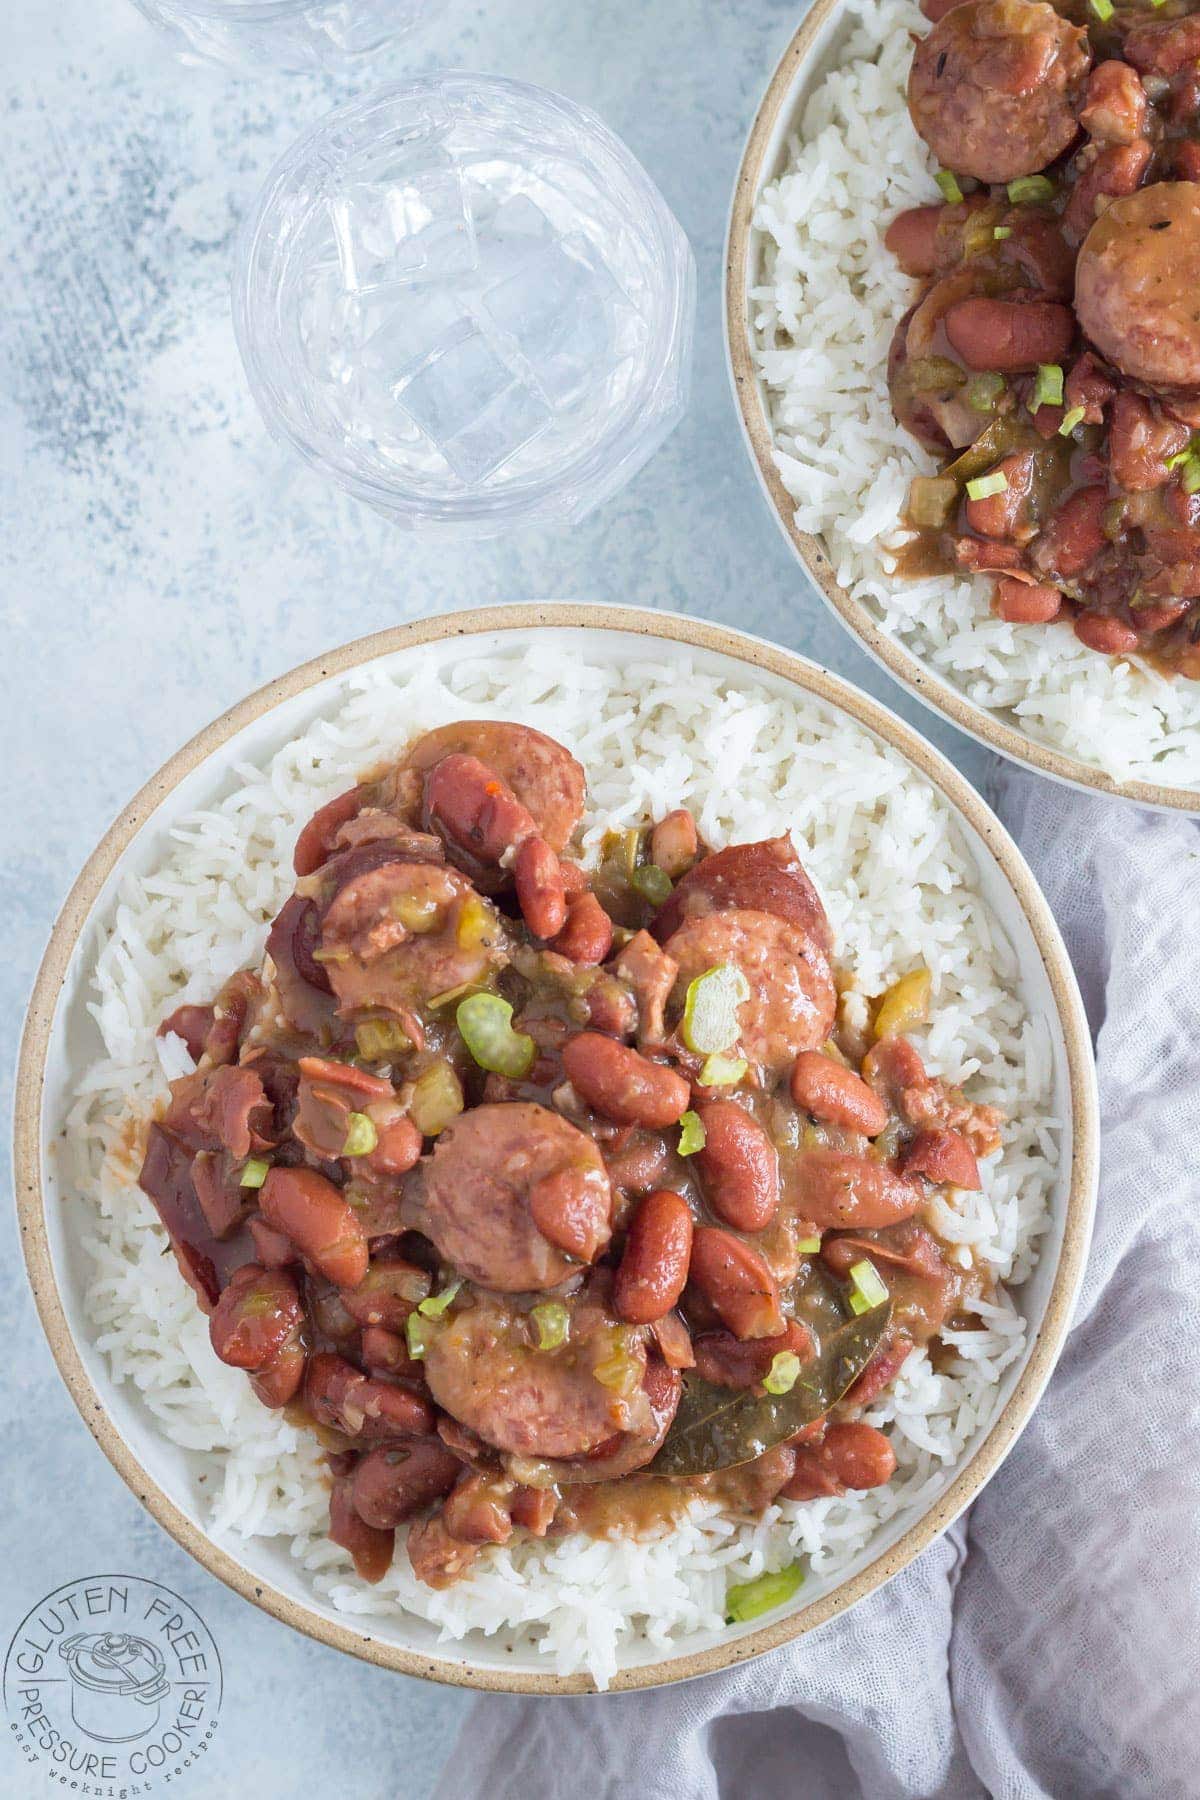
pixel 780 1378
pixel 722 1071
pixel 1190 479
pixel 867 1288
pixel 378 1039
pixel 984 486
pixel 692 1135
pixel 949 186
pixel 436 1304
pixel 416 1334
pixel 1030 187
pixel 1048 388
pixel 1103 9
pixel 652 883
pixel 361 1135
pixel 1001 232
pixel 485 1025
pixel 808 1246
pixel 254 1173
pixel 983 391
pixel 1071 420
pixel 710 1020
pixel 749 1599
pixel 552 1322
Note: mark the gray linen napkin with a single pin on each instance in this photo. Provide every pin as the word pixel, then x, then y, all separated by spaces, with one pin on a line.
pixel 1048 1648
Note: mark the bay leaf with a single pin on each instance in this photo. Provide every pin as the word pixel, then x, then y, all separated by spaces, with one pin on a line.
pixel 718 1427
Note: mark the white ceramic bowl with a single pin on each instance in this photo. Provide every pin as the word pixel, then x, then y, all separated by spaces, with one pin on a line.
pixel 61 1041
pixel 815 48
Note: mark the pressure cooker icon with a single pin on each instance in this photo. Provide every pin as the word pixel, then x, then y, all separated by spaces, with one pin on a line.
pixel 117 1683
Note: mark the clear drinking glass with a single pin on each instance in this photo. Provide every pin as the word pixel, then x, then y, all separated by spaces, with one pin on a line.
pixel 282 34
pixel 465 300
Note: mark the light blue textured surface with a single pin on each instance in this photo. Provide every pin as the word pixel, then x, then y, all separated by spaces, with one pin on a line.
pixel 161 555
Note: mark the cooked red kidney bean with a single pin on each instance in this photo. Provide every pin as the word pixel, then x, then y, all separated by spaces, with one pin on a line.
pixel 674 842
pixel 398 1144
pixel 1074 536
pixel 737 1282
pixel 1010 336
pixel 338 1394
pixel 1021 603
pixel 849 1456
pixel 315 843
pixel 1099 631
pixel 477 1511
pixel 314 1214
pixel 912 238
pixel 1141 443
pixel 833 1189
pixel 733 1362
pixel 1003 515
pixel 275 1251
pixel 588 933
pixel 653 1270
pixel 394 1481
pixel 474 808
pixel 386 1353
pixel 943 1156
pixel 256 1314
pixel 371 1548
pixel 836 1094
pixel 279 1380
pixel 739 1166
pixel 623 1085
pixel 572 1211
pixel 540 892
pixel 386 1294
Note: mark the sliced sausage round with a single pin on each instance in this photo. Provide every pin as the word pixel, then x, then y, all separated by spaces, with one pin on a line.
pixel 476 1198
pixel 792 996
pixel 993 88
pixel 766 876
pixel 482 1368
pixel 390 937
pixel 545 777
pixel 1136 283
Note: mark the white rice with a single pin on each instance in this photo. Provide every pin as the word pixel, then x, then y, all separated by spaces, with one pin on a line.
pixel 900 888
pixel 823 320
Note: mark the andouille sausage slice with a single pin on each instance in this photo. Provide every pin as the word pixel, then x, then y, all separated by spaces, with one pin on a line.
pixel 993 87
pixel 544 776
pixel 475 1192
pixel 1136 282
pixel 766 876
pixel 401 932
pixel 483 1368
pixel 792 997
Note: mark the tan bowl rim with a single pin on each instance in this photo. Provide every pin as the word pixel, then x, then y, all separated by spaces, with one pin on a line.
pixel 756 654
pixel 916 676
